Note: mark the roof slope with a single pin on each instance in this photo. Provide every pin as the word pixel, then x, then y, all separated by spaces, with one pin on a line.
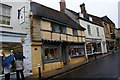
pixel 96 20
pixel 50 13
pixel 105 18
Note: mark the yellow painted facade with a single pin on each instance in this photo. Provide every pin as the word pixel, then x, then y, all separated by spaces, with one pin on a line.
pixel 46 25
pixel 80 39
pixel 63 37
pixel 56 36
pixel 79 33
pixel 70 38
pixel 44 31
pixel 52 66
pixel 36 57
pixel 83 33
pixel 69 31
pixel 46 35
pixel 77 60
pixel 75 39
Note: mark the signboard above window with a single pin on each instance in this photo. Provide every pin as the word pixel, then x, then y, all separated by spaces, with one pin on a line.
pixel 21 15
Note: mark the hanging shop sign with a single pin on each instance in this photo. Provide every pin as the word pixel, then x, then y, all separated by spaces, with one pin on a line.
pixel 21 15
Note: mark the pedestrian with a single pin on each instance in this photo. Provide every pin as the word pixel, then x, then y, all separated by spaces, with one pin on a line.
pixel 112 49
pixel 7 69
pixel 19 68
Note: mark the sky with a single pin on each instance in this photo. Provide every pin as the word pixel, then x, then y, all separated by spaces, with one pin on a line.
pixel 98 8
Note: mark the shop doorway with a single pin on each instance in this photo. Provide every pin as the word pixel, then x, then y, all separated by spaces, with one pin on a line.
pixel 65 54
pixel 7 48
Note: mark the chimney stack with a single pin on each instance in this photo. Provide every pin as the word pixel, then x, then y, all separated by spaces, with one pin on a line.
pixel 62 4
pixel 82 6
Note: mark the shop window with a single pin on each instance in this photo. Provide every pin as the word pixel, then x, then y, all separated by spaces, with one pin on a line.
pixel 76 51
pixel 5 14
pixel 7 47
pixel 51 54
pixel 89 48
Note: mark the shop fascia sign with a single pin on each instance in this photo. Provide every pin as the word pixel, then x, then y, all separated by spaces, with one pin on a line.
pixel 21 15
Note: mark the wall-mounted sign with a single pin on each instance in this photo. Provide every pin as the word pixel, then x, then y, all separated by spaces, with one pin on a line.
pixel 21 15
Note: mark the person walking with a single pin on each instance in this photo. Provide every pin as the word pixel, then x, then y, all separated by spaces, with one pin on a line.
pixel 19 68
pixel 7 64
pixel 7 72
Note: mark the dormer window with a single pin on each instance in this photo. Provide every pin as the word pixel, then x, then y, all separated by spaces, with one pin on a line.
pixel 90 18
pixel 81 15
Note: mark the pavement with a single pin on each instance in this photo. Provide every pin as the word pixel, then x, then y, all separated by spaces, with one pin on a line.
pixel 69 68
pixel 106 68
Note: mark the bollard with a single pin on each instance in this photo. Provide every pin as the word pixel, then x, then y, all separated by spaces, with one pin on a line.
pixel 39 70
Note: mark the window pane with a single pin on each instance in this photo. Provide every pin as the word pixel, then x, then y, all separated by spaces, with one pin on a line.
pixel 7 11
pixel 3 20
pixel 62 29
pixel 51 53
pixel 0 9
pixel 0 19
pixel 3 10
pixel 76 51
pixel 75 32
pixel 55 27
pixel 8 21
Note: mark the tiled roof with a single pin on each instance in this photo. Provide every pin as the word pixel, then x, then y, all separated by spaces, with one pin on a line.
pixel 46 12
pixel 105 18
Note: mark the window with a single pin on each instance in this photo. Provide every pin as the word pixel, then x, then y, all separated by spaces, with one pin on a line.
pixel 98 32
pixel 89 29
pixel 55 27
pixel 76 51
pixel 81 15
pixel 75 33
pixel 63 29
pixel 90 18
pixel 5 14
pixel 51 53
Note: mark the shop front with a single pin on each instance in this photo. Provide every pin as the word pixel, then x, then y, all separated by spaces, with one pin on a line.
pixel 109 43
pixel 8 48
pixel 10 43
pixel 93 46
pixel 52 58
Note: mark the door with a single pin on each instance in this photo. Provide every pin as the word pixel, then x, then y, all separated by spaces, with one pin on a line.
pixel 65 54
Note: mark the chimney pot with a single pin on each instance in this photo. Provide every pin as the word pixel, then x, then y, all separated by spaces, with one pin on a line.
pixel 62 4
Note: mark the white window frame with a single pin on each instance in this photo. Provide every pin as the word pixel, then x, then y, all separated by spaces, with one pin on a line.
pixel 98 33
pixel 89 29
pixel 5 16
pixel 90 18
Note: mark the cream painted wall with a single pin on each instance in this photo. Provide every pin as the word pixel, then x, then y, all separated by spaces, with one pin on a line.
pixel 94 33
pixel 93 30
pixel 15 25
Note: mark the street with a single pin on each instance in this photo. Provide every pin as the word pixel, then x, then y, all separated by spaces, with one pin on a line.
pixel 104 68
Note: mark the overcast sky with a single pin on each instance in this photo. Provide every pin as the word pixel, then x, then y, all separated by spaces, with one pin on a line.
pixel 95 7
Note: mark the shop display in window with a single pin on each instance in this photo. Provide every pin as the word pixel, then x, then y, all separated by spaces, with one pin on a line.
pixel 51 53
pixel 76 51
